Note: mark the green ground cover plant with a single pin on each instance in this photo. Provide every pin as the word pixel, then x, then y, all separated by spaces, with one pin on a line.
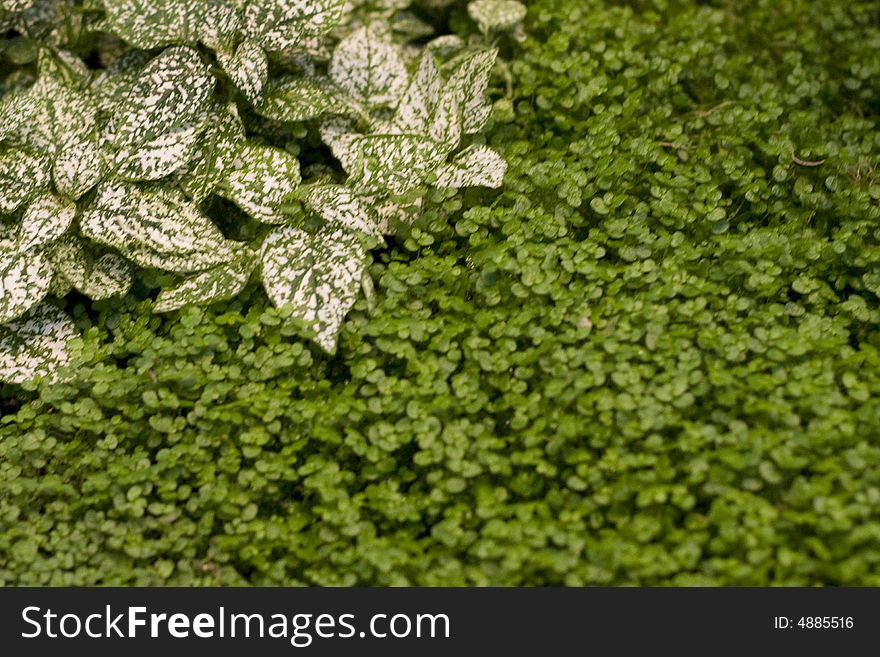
pixel 651 357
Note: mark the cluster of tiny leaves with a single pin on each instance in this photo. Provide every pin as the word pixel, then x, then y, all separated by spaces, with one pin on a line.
pixel 108 170
pixel 652 358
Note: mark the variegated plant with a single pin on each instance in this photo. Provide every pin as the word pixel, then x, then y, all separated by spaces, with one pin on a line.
pixel 105 170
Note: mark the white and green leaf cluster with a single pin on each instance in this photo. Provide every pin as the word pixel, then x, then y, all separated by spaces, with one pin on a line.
pixel 497 15
pixel 110 169
pixel 414 126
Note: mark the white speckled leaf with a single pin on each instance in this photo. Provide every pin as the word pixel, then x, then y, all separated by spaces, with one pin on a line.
pixel 112 84
pixel 216 284
pixel 283 25
pixel 416 108
pixel 96 276
pixel 445 45
pixel 156 228
pixel 319 47
pixel 60 286
pixel 472 77
pixel 37 344
pixel 45 220
pixel 448 122
pixel 248 69
pixel 70 260
pixel 370 67
pixel 259 181
pixel 337 204
pixel 79 166
pixel 51 112
pixel 396 163
pixel 65 117
pixel 21 175
pixel 148 23
pixel 160 157
pixel 318 276
pixel 298 99
pixel 393 214
pixel 152 24
pixel 171 92
pixel 497 15
pixel 24 281
pixel 16 110
pixel 110 275
pixel 215 153
pixel 410 27
pixel 220 24
pixel 474 166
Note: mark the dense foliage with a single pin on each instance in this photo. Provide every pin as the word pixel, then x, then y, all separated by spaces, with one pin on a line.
pixel 651 358
pixel 107 168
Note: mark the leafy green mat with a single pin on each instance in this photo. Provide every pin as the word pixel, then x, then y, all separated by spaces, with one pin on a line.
pixel 651 359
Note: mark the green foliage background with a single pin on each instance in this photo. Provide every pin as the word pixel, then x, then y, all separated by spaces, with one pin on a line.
pixel 651 359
